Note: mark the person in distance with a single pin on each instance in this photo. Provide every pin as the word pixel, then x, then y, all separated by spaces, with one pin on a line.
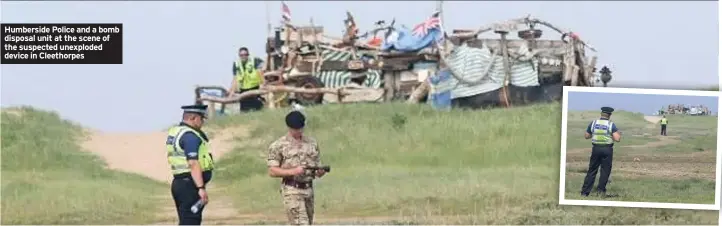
pixel 247 76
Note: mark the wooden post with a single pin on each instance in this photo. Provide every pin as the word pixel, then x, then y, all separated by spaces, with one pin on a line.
pixel 575 75
pixel 211 110
pixel 316 51
pixel 299 37
pixel 583 66
pixel 286 56
pixel 505 57
pixel 390 85
pixel 270 97
pixel 503 30
pixel 339 96
pixel 590 69
pixel 286 43
pixel 568 60
pixel 573 62
pixel 419 92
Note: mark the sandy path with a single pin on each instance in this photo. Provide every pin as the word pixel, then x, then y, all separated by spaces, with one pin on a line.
pixel 652 119
pixel 144 154
pixel 140 153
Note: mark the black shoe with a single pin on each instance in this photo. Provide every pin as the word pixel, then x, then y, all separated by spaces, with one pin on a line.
pixel 585 194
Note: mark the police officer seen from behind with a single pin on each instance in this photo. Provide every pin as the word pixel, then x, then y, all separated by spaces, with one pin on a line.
pixel 663 123
pixel 287 158
pixel 191 164
pixel 603 133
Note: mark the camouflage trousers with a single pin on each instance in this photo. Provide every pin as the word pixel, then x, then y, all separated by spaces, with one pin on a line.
pixel 298 204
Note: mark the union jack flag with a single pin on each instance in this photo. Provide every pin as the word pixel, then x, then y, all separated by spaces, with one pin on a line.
pixel 285 12
pixel 423 28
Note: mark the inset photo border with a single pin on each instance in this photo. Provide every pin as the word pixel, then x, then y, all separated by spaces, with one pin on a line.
pixel 645 153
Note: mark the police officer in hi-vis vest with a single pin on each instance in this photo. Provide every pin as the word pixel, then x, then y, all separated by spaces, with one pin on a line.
pixel 191 164
pixel 247 76
pixel 663 123
pixel 603 133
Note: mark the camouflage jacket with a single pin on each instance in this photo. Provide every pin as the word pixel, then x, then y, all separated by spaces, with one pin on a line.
pixel 287 152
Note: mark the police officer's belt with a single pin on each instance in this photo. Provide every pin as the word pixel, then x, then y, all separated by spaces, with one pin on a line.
pixel 184 175
pixel 296 184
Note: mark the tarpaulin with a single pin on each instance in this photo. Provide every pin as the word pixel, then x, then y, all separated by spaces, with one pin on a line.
pixel 402 39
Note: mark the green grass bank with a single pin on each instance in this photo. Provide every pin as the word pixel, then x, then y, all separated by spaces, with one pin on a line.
pixel 47 179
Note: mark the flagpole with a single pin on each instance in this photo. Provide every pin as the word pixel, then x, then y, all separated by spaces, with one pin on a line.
pixel 440 9
pixel 268 17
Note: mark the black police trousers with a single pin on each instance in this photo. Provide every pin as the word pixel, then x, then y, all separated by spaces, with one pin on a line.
pixel 253 103
pixel 601 158
pixel 664 130
pixel 185 194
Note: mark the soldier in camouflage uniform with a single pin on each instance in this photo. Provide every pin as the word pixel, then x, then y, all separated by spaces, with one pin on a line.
pixel 287 158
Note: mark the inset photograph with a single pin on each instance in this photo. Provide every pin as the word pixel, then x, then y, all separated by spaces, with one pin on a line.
pixel 640 148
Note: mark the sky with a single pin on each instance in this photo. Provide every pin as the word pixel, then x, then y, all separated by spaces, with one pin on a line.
pixel 169 47
pixel 641 103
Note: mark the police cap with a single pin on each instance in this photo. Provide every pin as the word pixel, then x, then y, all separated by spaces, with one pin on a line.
pixel 295 120
pixel 607 110
pixel 199 109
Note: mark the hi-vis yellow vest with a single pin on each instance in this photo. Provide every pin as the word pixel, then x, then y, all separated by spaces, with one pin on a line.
pixel 664 121
pixel 176 154
pixel 602 132
pixel 247 76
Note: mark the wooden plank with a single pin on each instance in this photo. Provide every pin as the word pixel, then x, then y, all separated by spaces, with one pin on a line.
pixel 356 94
pixel 589 70
pixel 547 70
pixel 306 32
pixel 461 31
pixel 389 85
pixel 516 43
pixel 235 98
pixel 419 92
pixel 575 75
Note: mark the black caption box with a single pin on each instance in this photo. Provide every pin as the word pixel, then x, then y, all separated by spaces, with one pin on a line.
pixel 61 43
